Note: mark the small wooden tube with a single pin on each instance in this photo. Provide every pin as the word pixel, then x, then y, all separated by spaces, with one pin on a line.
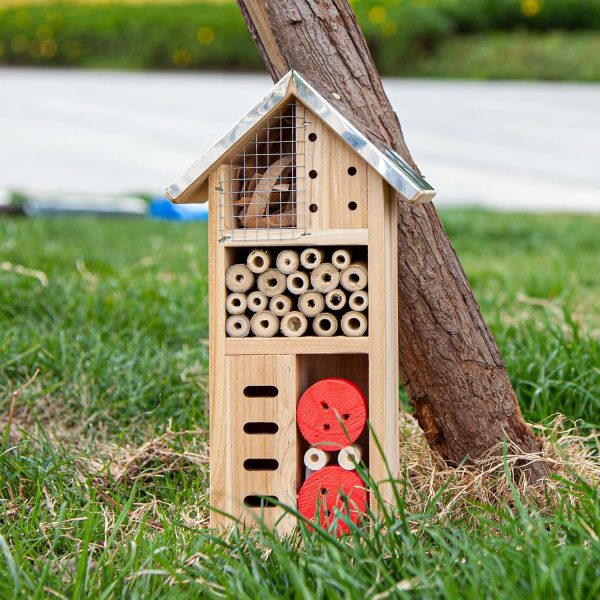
pixel 325 325
pixel 237 326
pixel 315 458
pixel 359 300
pixel 354 324
pixel 349 457
pixel 325 278
pixel 311 258
pixel 311 303
pixel 335 299
pixel 264 324
pixel 239 278
pixel 257 301
pixel 280 305
pixel 236 303
pixel 294 324
pixel 355 277
pixel 341 259
pixel 288 261
pixel 297 282
pixel 258 261
pixel 271 283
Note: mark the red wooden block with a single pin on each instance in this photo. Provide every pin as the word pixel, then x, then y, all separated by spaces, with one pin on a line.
pixel 328 488
pixel 332 413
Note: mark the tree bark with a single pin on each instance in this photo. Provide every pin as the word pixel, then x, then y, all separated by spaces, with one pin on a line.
pixel 449 361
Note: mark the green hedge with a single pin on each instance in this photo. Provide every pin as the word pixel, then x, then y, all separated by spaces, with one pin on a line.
pixel 406 37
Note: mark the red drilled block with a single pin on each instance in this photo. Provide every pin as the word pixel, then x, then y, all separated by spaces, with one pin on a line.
pixel 332 413
pixel 329 488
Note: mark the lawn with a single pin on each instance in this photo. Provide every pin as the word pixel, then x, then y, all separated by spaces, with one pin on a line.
pixel 103 466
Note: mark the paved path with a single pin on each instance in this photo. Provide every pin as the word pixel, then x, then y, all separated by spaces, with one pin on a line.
pixel 506 145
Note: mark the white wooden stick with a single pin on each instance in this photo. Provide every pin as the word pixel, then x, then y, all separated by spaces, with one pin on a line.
pixel 341 259
pixel 258 261
pixel 315 458
pixel 325 278
pixel 335 299
pixel 359 300
pixel 297 282
pixel 236 303
pixel 349 457
pixel 257 301
pixel 280 305
pixel 288 261
pixel 355 277
pixel 294 324
pixel 311 258
pixel 325 325
pixel 239 278
pixel 271 283
pixel 264 324
pixel 354 324
pixel 237 326
pixel 311 303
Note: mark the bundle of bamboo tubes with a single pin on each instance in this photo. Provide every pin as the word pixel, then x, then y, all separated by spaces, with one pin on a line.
pixel 310 291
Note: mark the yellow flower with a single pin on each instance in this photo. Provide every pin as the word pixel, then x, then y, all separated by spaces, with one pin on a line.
pixel 182 58
pixel 205 36
pixel 377 14
pixel 531 8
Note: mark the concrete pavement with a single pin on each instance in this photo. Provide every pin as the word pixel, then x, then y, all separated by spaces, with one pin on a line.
pixel 530 146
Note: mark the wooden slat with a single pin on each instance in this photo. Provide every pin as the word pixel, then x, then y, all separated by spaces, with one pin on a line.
pixel 302 345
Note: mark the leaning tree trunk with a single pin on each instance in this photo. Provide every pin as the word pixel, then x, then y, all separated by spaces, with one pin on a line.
pixel 449 362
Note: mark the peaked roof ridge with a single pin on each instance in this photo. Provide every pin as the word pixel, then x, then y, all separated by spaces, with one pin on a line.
pixel 191 186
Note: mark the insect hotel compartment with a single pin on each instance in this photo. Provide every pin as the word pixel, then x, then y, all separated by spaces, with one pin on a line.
pixel 261 188
pixel 294 292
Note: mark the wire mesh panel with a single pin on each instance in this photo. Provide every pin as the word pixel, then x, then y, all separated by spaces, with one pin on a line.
pixel 262 195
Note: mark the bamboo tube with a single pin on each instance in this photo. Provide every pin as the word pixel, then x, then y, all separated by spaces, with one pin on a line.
pixel 257 301
pixel 359 300
pixel 311 258
pixel 355 277
pixel 325 325
pixel 264 324
pixel 280 305
pixel 325 278
pixel 239 278
pixel 258 261
pixel 236 303
pixel 335 299
pixel 315 458
pixel 288 261
pixel 294 324
pixel 354 324
pixel 297 282
pixel 271 283
pixel 237 326
pixel 311 303
pixel 341 259
pixel 349 457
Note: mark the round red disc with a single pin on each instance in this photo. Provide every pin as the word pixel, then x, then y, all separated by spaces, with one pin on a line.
pixel 332 413
pixel 330 488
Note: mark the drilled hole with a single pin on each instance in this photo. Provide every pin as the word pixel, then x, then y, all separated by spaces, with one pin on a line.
pixel 280 305
pixel 260 391
pixel 352 205
pixel 354 324
pixel 261 464
pixel 261 427
pixel 313 174
pixel 272 282
pixel 354 278
pixel 359 300
pixel 264 323
pixel 313 208
pixel 351 171
pixel 261 501
pixel 295 324
pixel 239 277
pixel 311 303
pixel 258 261
pixel 312 137
pixel 336 300
pixel 314 458
pixel 237 325
pixel 236 302
pixel 325 324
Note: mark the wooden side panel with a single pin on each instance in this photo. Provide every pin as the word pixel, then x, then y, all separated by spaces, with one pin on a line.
pixel 337 196
pixel 250 402
pixel 383 378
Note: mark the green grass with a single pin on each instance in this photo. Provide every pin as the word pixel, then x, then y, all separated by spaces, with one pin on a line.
pixel 118 336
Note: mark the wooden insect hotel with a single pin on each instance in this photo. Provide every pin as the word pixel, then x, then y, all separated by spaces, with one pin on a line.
pixel 303 308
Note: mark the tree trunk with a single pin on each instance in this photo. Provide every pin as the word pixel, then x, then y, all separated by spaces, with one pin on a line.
pixel 449 362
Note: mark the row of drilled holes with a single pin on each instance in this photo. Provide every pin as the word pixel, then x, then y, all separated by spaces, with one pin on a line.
pixel 261 428
pixel 313 175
